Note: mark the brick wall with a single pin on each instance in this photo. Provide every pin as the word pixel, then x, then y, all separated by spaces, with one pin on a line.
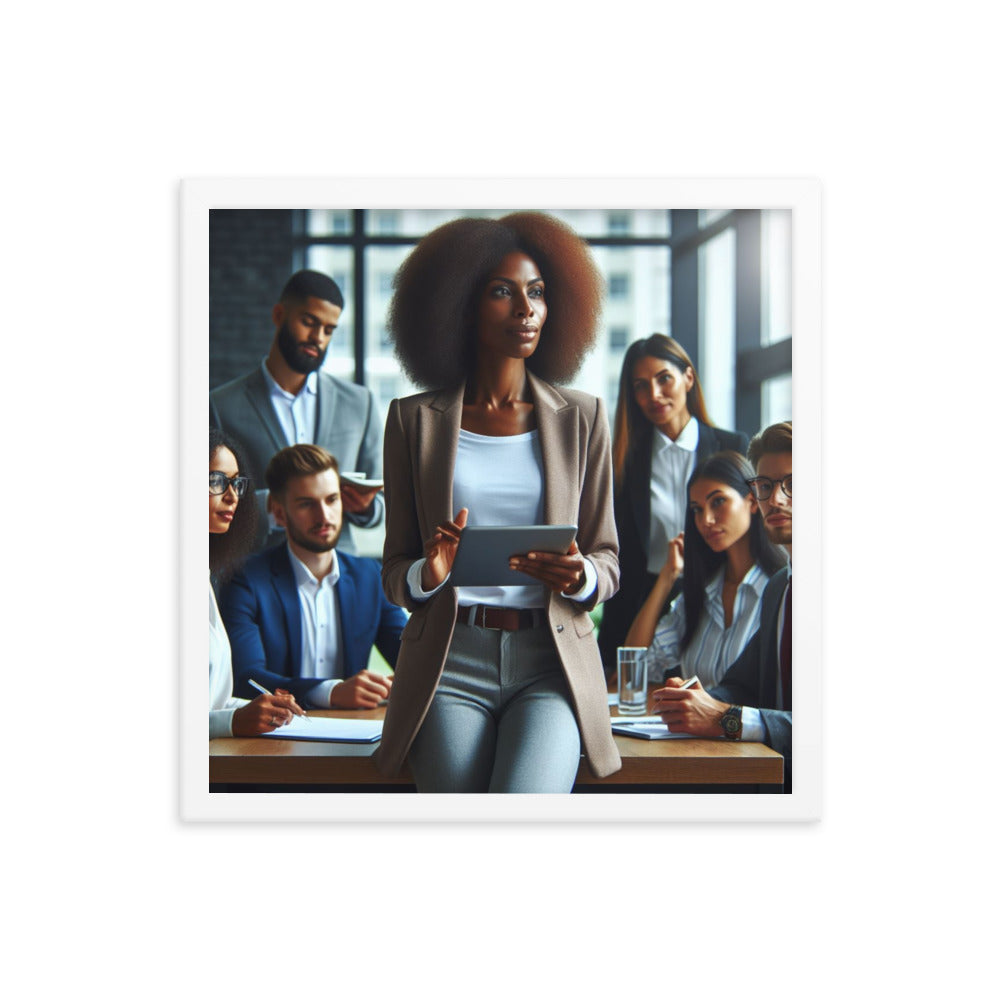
pixel 250 259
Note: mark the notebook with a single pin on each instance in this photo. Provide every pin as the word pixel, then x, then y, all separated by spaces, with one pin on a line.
pixel 645 727
pixel 330 730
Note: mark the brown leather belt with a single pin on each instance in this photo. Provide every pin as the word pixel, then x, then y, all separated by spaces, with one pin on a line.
pixel 506 619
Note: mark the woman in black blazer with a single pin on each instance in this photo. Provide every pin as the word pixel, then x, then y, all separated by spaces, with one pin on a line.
pixel 662 431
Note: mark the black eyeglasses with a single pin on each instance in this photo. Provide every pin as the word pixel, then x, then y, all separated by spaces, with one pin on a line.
pixel 219 482
pixel 763 487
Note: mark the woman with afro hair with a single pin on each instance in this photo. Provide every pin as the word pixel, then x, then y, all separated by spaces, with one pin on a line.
pixel 497 688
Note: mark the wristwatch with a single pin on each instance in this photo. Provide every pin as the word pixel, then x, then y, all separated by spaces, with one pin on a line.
pixel 731 721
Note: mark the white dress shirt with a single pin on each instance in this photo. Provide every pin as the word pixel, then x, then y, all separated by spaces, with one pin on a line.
pixel 713 647
pixel 670 469
pixel 297 416
pixel 322 646
pixel 295 412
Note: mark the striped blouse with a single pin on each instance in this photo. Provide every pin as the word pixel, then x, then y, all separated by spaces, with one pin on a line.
pixel 713 647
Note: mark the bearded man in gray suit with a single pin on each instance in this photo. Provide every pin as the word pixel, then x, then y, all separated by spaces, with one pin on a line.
pixel 288 400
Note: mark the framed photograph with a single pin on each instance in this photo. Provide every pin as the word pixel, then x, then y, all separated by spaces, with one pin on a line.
pixel 729 268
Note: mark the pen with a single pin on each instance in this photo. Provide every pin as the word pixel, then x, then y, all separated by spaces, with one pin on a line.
pixel 264 690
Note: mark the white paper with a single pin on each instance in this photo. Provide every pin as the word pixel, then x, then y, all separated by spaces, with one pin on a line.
pixel 330 730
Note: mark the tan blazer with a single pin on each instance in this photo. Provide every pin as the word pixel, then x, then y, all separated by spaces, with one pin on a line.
pixel 421 443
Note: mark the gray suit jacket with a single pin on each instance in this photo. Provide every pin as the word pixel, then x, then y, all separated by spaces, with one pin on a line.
pixel 347 425
pixel 421 443
pixel 753 677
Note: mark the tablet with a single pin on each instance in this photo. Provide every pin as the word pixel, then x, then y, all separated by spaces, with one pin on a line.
pixel 484 552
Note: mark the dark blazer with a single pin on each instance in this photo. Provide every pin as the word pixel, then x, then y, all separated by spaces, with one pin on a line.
pixel 347 425
pixel 632 519
pixel 260 608
pixel 421 442
pixel 753 677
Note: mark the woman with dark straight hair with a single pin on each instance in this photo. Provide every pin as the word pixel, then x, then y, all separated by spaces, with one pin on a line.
pixel 726 559
pixel 662 430
pixel 230 537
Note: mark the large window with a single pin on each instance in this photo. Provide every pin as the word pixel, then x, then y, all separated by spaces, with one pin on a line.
pixel 731 283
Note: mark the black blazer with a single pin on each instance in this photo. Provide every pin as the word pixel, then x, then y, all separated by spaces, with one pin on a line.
pixel 753 677
pixel 632 521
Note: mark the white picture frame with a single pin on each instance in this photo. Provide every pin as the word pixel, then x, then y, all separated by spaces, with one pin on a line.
pixel 198 196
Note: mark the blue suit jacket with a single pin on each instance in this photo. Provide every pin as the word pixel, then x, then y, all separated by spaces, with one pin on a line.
pixel 753 677
pixel 260 608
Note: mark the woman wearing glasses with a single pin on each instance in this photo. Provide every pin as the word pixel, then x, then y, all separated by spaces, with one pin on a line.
pixel 230 537
pixel 661 432
pixel 726 559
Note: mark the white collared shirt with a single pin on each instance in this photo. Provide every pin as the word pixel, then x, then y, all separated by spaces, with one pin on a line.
pixel 670 469
pixel 713 647
pixel 296 413
pixel 322 647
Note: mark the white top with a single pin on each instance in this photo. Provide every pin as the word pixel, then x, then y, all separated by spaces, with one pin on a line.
pixel 322 649
pixel 501 481
pixel 670 469
pixel 713 647
pixel 221 703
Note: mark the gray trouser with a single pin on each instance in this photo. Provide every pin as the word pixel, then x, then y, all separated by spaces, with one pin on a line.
pixel 500 720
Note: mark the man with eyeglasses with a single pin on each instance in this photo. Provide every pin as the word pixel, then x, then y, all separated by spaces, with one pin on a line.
pixel 754 699
pixel 302 616
pixel 288 400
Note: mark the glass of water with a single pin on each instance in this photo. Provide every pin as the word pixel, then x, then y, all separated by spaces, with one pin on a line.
pixel 631 680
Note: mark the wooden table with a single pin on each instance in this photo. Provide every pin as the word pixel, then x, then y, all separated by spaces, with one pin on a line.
pixel 292 764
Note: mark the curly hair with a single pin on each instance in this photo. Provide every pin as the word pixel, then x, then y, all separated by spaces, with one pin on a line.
pixel 700 562
pixel 227 551
pixel 437 289
pixel 632 431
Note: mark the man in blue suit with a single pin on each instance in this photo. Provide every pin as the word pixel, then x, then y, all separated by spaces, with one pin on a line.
pixel 301 616
pixel 754 699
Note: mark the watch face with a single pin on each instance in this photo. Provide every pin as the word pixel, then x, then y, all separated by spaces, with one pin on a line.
pixel 731 723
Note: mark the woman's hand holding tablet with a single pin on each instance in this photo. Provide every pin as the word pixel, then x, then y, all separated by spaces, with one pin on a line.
pixel 562 573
